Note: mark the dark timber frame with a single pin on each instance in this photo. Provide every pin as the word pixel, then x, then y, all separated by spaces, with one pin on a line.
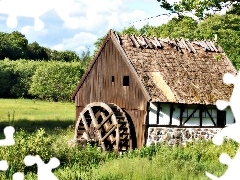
pixel 202 108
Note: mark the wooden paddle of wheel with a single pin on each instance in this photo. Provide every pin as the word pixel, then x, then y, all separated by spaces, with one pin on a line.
pixel 106 124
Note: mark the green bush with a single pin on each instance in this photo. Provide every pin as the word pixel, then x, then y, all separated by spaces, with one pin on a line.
pixel 7 79
pixel 56 80
pixel 15 77
pixel 23 71
pixel 39 79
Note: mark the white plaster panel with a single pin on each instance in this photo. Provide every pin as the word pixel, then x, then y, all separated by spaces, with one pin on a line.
pixel 175 117
pixel 164 115
pixel 208 121
pixel 191 122
pixel 153 113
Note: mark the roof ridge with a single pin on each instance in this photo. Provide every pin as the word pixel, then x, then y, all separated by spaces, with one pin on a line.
pixel 147 42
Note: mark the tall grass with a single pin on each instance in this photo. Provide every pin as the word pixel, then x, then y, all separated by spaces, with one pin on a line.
pixel 47 136
pixel 34 114
pixel 154 162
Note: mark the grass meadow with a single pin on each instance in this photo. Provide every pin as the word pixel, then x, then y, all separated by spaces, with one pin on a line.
pixel 44 128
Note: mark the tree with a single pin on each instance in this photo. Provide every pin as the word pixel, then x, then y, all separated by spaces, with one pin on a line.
pixel 227 29
pixel 199 8
pixel 13 45
pixel 130 30
pixel 182 27
pixel 36 52
pixel 85 59
pixel 69 56
pixel 98 43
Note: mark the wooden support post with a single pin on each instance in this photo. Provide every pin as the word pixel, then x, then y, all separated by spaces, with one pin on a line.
pixel 158 112
pixel 171 113
pixel 146 123
pixel 181 113
pixel 200 114
pixel 147 115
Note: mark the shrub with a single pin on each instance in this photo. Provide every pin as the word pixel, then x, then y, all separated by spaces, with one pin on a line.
pixel 7 79
pixel 23 71
pixel 56 80
pixel 40 79
pixel 15 77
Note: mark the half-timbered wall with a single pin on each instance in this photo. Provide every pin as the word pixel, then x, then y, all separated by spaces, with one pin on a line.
pixel 159 114
pixel 111 81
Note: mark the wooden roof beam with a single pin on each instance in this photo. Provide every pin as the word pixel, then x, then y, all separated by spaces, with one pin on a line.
pixel 191 46
pixel 134 41
pixel 214 47
pixel 156 43
pixel 141 42
pixel 149 44
pixel 210 46
pixel 204 45
pixel 185 45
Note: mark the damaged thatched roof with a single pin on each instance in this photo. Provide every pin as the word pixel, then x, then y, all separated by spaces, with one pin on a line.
pixel 179 70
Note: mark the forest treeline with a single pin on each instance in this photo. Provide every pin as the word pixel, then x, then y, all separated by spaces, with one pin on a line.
pixel 29 70
pixel 15 46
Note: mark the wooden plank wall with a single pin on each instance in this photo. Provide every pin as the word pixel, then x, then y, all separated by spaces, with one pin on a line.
pixel 136 119
pixel 78 110
pixel 98 87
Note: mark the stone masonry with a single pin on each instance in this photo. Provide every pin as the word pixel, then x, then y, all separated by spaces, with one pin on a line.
pixel 174 136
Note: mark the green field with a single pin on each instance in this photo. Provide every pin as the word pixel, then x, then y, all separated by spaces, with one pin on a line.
pixel 32 114
pixel 44 128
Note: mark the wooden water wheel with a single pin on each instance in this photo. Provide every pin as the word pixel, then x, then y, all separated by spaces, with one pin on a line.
pixel 106 124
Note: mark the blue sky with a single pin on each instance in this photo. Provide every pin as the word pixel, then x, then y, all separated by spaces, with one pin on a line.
pixel 74 24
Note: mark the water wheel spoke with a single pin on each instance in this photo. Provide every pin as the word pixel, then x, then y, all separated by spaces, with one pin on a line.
pixel 106 126
pixel 112 127
pixel 92 116
pixel 104 120
pixel 85 126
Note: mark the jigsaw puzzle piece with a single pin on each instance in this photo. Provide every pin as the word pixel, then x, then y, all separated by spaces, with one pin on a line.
pixel 3 165
pixel 232 172
pixel 63 8
pixel 44 170
pixel 9 140
pixel 18 176
pixel 231 131
pixel 211 176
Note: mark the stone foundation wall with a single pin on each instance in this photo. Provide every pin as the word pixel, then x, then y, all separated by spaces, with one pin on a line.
pixel 175 135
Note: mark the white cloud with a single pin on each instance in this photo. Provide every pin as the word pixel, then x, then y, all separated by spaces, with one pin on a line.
pixel 32 35
pixel 30 30
pixel 89 15
pixel 81 48
pixel 26 29
pixel 77 43
pixel 89 18
pixel 33 9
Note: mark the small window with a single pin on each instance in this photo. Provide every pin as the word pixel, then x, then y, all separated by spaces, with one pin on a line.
pixel 112 78
pixel 125 80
